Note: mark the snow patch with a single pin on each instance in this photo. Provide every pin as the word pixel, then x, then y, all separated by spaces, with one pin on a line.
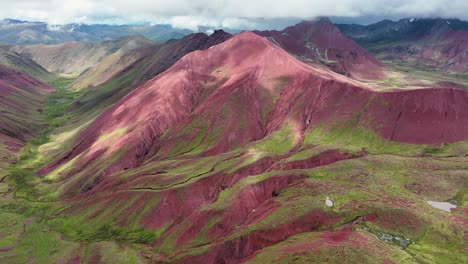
pixel 442 205
pixel 54 27
pixel 412 19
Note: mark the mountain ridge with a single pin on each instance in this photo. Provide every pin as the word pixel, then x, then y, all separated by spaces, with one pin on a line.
pixel 17 32
pixel 320 41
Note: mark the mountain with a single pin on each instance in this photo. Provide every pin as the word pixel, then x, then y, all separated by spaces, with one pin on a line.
pixel 21 102
pixel 231 152
pixel 155 58
pixel 16 32
pixel 119 74
pixel 437 44
pixel 321 41
pixel 21 63
pixel 293 146
pixel 9 21
pixel 73 58
pixel 404 29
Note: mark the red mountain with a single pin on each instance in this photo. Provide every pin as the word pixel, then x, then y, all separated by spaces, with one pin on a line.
pixel 321 41
pixel 243 90
pixel 200 152
pixel 21 100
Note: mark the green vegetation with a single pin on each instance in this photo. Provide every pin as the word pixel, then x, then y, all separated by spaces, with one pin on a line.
pixel 280 142
pixel 106 232
pixel 310 248
pixel 56 103
pixel 34 231
pixel 353 138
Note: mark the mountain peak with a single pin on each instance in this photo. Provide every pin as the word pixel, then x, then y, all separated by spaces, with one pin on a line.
pixel 9 21
pixel 320 41
pixel 320 22
pixel 219 32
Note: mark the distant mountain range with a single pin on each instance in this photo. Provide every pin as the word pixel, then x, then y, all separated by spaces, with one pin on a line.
pixel 321 41
pixel 17 32
pixel 430 43
pixel 404 29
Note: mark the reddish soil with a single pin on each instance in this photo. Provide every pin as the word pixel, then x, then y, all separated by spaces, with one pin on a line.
pixel 323 159
pixel 8 248
pixel 247 207
pixel 234 251
pixel 76 260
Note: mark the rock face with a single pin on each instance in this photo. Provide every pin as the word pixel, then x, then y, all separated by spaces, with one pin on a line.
pixel 241 91
pixel 321 41
pixel 434 43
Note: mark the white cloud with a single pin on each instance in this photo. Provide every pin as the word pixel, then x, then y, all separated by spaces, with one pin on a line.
pixel 220 13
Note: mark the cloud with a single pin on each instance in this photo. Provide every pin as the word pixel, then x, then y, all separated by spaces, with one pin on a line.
pixel 243 14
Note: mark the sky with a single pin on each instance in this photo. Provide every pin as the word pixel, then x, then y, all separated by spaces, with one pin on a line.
pixel 241 14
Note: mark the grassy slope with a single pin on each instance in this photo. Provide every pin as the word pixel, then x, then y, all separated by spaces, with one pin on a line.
pixel 26 233
pixel 392 182
pixel 19 123
pixel 389 173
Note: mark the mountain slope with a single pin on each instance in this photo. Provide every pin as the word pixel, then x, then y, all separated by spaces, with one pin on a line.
pixel 125 76
pixel 155 58
pixel 73 58
pixel 21 102
pixel 233 150
pixel 15 61
pixel 116 77
pixel 203 81
pixel 203 89
pixel 320 41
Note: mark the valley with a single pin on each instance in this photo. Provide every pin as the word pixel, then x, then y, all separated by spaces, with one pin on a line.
pixel 225 148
